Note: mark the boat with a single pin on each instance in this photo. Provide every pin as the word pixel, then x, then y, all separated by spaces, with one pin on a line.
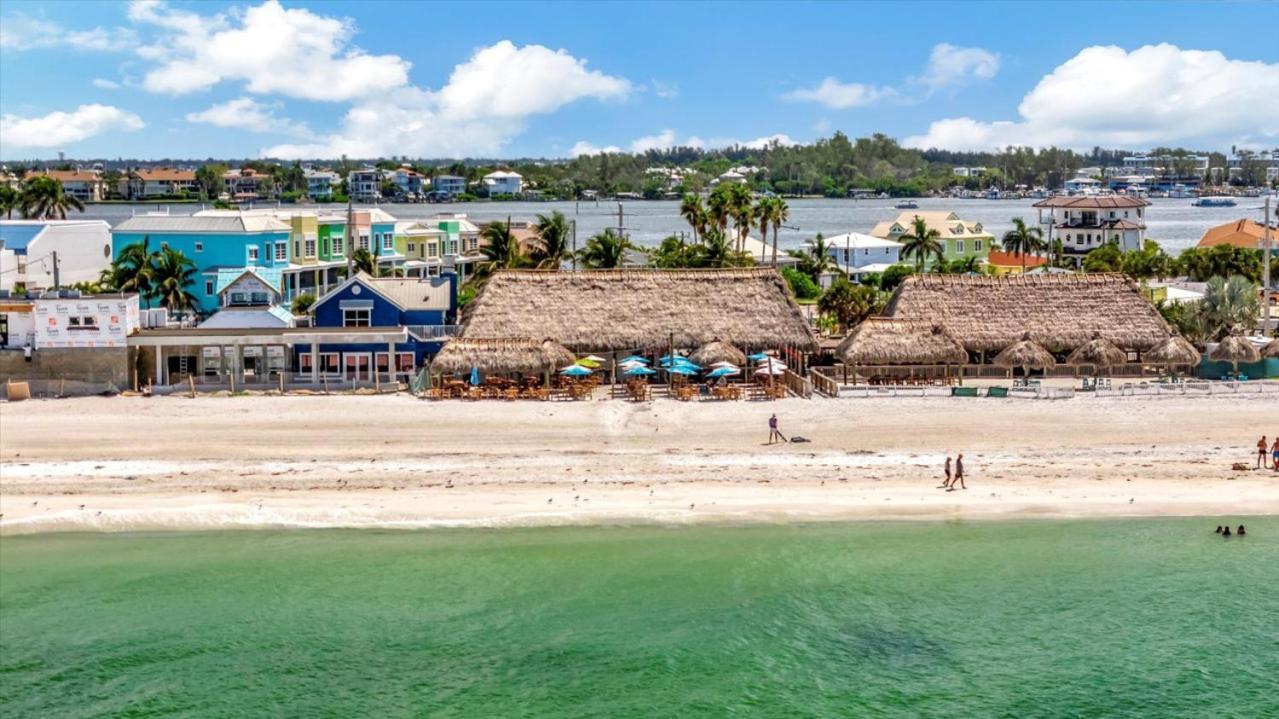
pixel 1214 202
pixel 1180 192
pixel 906 205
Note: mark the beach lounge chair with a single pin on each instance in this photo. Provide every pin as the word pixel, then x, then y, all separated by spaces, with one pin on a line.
pixel 997 392
pixel 964 391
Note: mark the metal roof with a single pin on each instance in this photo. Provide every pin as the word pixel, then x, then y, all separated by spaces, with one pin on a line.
pixel 17 236
pixel 248 318
pixel 408 293
pixel 202 223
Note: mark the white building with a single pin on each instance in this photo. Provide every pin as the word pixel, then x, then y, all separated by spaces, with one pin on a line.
pixel 503 182
pixel 27 250
pixel 1163 165
pixel 1082 184
pixel 969 171
pixel 1085 223
pixel 859 255
pixel 67 319
pixel 320 183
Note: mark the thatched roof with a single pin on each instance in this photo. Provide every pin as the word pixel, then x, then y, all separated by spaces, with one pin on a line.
pixel 1271 351
pixel 625 310
pixel 1061 312
pixel 1173 351
pixel 1025 353
pixel 716 351
pixel 883 341
pixel 500 356
pixel 1098 352
pixel 1235 349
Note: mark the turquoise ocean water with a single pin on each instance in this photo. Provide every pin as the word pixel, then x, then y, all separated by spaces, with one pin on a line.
pixel 1126 618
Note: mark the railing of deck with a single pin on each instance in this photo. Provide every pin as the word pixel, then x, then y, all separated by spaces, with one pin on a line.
pixel 431 332
pixel 823 384
pixel 798 385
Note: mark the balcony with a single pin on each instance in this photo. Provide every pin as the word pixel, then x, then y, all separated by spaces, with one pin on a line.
pixel 433 332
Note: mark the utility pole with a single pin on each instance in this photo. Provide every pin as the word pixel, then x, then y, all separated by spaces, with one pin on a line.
pixel 1265 292
pixel 574 221
pixel 56 277
pixel 349 249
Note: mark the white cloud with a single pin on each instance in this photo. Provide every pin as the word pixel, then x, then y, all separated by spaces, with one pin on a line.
pixel 840 95
pixel 22 32
pixel 582 147
pixel 950 66
pixel 760 143
pixel 484 104
pixel 245 113
pixel 105 84
pixel 273 49
pixel 63 128
pixel 1154 95
pixel 665 90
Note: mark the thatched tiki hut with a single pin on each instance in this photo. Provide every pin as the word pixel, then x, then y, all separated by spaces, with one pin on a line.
pixel 1026 354
pixel 716 351
pixel 501 356
pixel 896 344
pixel 1097 352
pixel 1174 352
pixel 1060 312
pixel 651 311
pixel 1235 349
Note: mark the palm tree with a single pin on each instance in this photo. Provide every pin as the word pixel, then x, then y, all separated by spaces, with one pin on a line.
pixel 715 250
pixel 604 251
pixel 44 198
pixel 174 272
pixel 500 248
pixel 921 242
pixel 1022 240
pixel 692 210
pixel 742 208
pixel 781 214
pixel 363 261
pixel 553 236
pixel 133 270
pixel 719 207
pixel 1230 304
pixel 850 304
pixel 816 260
pixel 764 211
pixel 8 201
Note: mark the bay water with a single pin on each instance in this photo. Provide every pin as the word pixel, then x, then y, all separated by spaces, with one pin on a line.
pixel 1115 618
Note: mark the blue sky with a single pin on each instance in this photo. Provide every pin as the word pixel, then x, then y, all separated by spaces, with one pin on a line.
pixel 299 79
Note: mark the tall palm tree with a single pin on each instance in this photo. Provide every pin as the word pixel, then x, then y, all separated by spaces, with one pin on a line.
pixel 743 212
pixel 1022 240
pixel 174 272
pixel 44 198
pixel 553 238
pixel 500 248
pixel 363 261
pixel 764 211
pixel 816 260
pixel 1230 304
pixel 781 215
pixel 715 250
pixel 8 201
pixel 719 208
pixel 921 242
pixel 692 210
pixel 133 270
pixel 604 251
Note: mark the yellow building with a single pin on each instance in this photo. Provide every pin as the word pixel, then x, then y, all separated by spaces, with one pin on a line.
pixel 959 239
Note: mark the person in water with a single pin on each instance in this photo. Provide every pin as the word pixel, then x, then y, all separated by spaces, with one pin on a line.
pixel 1226 532
pixel 1261 452
pixel 1241 531
pixel 1218 529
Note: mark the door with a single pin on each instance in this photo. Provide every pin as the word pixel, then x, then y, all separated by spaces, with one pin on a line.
pixel 359 367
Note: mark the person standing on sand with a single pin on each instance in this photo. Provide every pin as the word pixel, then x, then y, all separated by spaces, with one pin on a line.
pixel 1261 452
pixel 959 474
pixel 946 483
pixel 1274 456
pixel 773 433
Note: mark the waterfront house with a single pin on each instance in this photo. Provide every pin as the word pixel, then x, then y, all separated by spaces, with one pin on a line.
pixel 409 183
pixel 1248 234
pixel 451 240
pixel 320 184
pixel 425 307
pixel 446 187
pixel 504 182
pixel 28 247
pixel 858 254
pixel 959 239
pixel 84 185
pixel 641 310
pixel 1010 263
pixel 1085 223
pixel 365 184
pixel 148 184
pixel 221 242
pixel 1060 312
pixel 247 184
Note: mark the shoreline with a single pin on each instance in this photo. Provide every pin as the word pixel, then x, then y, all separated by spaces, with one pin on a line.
pixel 388 462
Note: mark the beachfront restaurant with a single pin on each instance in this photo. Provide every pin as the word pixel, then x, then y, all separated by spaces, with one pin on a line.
pixel 615 313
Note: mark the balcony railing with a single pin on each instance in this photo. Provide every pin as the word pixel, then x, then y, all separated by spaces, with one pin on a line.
pixel 433 332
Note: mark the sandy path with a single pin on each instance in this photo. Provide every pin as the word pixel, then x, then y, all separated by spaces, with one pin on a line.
pixel 131 463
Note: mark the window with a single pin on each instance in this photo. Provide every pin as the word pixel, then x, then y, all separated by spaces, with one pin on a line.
pixel 239 298
pixel 337 245
pixel 281 251
pixel 199 247
pixel 959 246
pixel 208 288
pixel 253 253
pixel 329 362
pixel 309 247
pixel 83 322
pixel 412 247
pixel 364 242
pixel 388 241
pixel 432 250
pixel 356 318
pixel 976 245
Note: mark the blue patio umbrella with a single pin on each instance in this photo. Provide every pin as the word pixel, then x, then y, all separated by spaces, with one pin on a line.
pixel 632 358
pixel 639 371
pixel 689 364
pixel 724 372
pixel 475 377
pixel 682 370
pixel 757 356
pixel 575 370
pixel 667 359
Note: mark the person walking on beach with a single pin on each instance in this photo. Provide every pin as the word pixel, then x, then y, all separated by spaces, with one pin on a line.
pixel 774 434
pixel 959 473
pixel 1274 456
pixel 946 483
pixel 1261 452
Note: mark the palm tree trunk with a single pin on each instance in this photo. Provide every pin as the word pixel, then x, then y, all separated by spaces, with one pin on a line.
pixel 774 245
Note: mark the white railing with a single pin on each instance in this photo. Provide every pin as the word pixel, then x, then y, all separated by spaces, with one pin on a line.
pixel 432 332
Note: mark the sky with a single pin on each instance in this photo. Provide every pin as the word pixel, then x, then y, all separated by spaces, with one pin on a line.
pixel 311 80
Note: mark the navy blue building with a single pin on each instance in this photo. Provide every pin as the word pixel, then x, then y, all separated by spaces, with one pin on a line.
pixel 426 307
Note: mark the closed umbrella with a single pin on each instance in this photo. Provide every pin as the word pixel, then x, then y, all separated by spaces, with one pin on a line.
pixel 475 376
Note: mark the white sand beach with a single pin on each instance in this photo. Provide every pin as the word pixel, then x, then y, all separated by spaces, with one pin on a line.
pixel 129 463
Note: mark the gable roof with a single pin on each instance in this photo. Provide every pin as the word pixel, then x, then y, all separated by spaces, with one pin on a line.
pixel 624 310
pixel 235 223
pixel 406 293
pixel 272 277
pixel 1248 234
pixel 1061 312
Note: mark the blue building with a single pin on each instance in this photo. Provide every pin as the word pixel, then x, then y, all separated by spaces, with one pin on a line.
pixel 426 307
pixel 218 245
